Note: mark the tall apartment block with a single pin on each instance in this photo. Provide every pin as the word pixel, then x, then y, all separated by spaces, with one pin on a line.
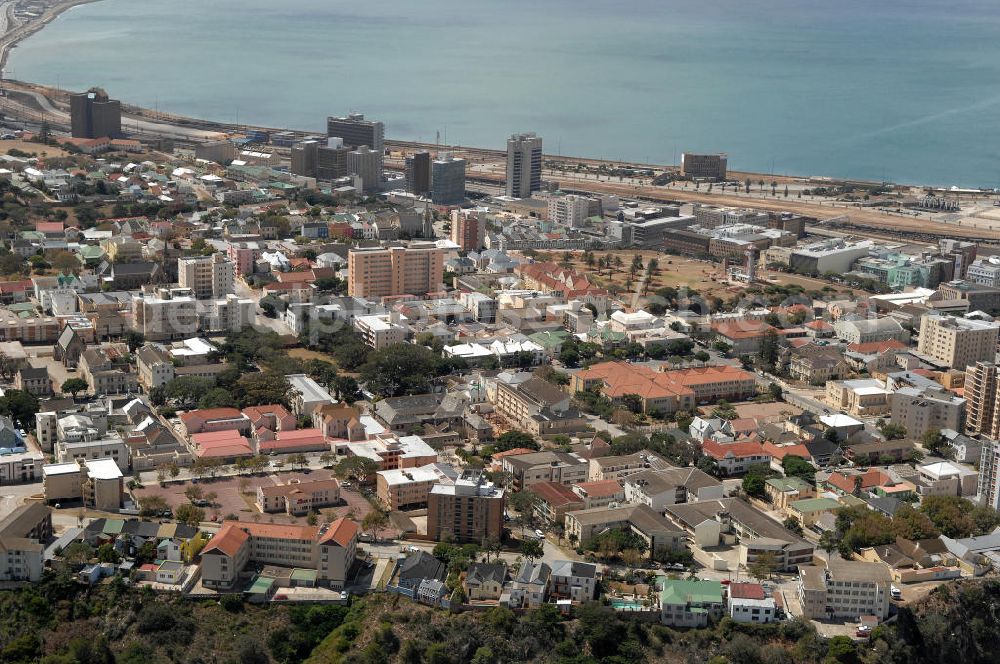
pixel 703 166
pixel 418 173
pixel 981 382
pixel 305 158
pixel 957 342
pixel 524 165
pixel 448 180
pixel 468 230
pixel 989 481
pixel 468 510
pixel 366 164
pixel 357 132
pixel 93 115
pixel 207 276
pixel 331 160
pixel 570 210
pixel 384 272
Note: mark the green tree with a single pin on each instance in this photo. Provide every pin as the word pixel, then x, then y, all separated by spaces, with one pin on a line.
pixel 531 549
pixel 189 514
pixel 514 439
pixel 19 405
pixel 361 469
pixel 402 369
pixel 74 386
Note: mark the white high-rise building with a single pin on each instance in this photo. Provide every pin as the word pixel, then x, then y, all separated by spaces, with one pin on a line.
pixel 569 210
pixel 524 165
pixel 366 164
pixel 207 276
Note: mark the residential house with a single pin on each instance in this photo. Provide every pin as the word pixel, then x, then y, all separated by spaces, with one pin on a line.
pixel 573 580
pixel 33 381
pixel 750 603
pixel 685 603
pixel 530 586
pixel 660 488
pixel 485 581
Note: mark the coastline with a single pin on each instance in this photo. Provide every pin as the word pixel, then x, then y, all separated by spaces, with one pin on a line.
pixel 11 37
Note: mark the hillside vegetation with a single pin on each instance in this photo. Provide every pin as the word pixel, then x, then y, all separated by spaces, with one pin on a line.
pixel 60 622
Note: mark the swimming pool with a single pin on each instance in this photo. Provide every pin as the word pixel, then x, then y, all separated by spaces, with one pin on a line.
pixel 627 605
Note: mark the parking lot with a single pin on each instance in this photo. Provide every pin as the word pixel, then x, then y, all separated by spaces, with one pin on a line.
pixel 237 495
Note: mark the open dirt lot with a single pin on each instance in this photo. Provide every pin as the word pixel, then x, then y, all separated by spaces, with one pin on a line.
pixel 704 277
pixel 31 148
pixel 778 411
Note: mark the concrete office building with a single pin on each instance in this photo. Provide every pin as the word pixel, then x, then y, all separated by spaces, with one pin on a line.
pixel 703 166
pixel 94 115
pixel 382 272
pixel 366 164
pixel 165 314
pixel 418 173
pixel 569 210
pixel 356 132
pixel 524 165
pixel 468 230
pixel 957 342
pixel 448 180
pixel 985 271
pixel 470 509
pixel 305 158
pixel 207 276
pixel 221 152
pixel 331 160
pixel 832 255
pixel 930 409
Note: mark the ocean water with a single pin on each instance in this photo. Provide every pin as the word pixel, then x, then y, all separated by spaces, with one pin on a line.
pixel 901 90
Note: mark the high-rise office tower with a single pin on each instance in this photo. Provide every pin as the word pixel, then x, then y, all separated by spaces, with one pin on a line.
pixel 418 173
pixel 524 165
pixel 448 180
pixel 305 158
pixel 357 132
pixel 331 161
pixel 94 115
pixel 365 163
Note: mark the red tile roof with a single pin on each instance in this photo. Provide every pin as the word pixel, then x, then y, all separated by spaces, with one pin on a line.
pixel 341 531
pixel 869 479
pixel 742 329
pixel 600 488
pixel 555 494
pixel 876 347
pixel 228 540
pixel 747 591
pixel 741 449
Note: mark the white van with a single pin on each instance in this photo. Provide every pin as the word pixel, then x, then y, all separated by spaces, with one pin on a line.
pixel 895 592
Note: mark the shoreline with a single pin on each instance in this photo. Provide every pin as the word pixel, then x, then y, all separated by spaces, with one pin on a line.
pixel 11 38
pixel 180 127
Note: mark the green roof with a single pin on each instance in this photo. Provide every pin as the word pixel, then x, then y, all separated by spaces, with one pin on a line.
pixel 851 501
pixel 789 483
pixel 261 585
pixel 304 575
pixel 32 235
pixel 91 251
pixel 815 505
pixel 550 339
pixel 113 526
pixel 683 592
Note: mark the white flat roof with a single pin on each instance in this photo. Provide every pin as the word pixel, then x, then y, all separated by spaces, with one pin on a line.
pixel 62 468
pixel 103 469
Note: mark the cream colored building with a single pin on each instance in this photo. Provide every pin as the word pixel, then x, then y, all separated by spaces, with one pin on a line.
pixel 207 276
pixel 166 314
pixel 98 483
pixel 409 487
pixel 844 589
pixel 861 398
pixel 381 330
pixel 382 272
pixel 957 342
pixel 23 536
